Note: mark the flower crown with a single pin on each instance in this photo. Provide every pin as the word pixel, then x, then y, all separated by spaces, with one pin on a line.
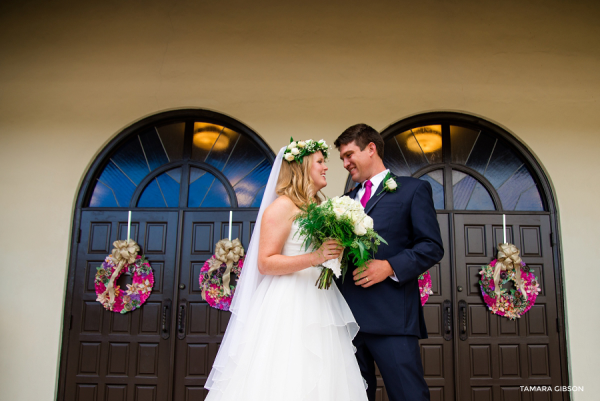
pixel 297 150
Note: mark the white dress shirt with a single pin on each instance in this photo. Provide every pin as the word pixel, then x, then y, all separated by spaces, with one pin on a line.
pixel 375 180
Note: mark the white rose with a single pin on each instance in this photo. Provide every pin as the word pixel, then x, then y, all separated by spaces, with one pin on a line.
pixel 339 212
pixel 359 228
pixel 295 151
pixel 391 184
pixel 289 157
pixel 356 217
pixel 301 144
pixel 368 222
pixel 321 141
pixel 355 206
pixel 291 145
pixel 346 200
pixel 309 141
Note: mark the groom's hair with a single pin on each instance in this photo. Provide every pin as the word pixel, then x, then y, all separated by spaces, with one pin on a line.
pixel 362 135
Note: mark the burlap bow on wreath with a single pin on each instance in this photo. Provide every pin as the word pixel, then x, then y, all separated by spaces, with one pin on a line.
pixel 508 259
pixel 123 253
pixel 228 252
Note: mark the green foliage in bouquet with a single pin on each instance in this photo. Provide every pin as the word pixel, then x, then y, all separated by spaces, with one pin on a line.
pixel 342 219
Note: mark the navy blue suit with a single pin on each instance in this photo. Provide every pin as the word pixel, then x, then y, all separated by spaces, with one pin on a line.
pixel 389 313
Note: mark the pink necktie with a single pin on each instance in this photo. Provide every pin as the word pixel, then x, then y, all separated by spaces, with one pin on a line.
pixel 365 198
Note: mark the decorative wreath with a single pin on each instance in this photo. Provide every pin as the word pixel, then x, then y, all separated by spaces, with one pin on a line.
pixel 507 267
pixel 219 274
pixel 425 287
pixel 124 259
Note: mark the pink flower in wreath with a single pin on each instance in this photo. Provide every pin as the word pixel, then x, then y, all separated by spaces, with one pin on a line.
pixel 144 287
pixel 534 289
pixel 214 292
pixel 205 266
pixel 425 287
pixel 488 300
pixel 131 289
pixel 493 262
pixel 100 288
pixel 102 298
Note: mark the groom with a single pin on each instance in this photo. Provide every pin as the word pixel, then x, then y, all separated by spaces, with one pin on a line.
pixel 385 297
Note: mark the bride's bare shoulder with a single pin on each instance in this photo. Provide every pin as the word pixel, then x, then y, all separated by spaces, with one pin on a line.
pixel 281 208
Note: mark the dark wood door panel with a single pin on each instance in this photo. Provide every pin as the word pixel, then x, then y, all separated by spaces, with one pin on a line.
pixel 497 355
pixel 121 356
pixel 200 328
pixel 437 350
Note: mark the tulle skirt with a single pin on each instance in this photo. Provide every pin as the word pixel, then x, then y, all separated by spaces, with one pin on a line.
pixel 296 345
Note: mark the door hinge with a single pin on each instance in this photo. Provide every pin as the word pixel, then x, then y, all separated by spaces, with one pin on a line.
pixel 557 325
pixel 552 243
pixel 79 236
pixel 70 322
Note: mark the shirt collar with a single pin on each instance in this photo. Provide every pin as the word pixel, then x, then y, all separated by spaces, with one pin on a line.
pixel 376 179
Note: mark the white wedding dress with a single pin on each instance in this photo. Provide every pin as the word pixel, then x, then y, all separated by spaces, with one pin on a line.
pixel 296 343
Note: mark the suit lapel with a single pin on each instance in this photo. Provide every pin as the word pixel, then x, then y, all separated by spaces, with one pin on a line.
pixel 376 198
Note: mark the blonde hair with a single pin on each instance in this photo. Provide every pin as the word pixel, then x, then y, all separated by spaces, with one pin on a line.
pixel 296 183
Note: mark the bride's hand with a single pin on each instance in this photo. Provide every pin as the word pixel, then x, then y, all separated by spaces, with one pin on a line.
pixel 330 249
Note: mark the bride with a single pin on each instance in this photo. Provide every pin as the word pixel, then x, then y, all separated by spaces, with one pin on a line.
pixel 286 339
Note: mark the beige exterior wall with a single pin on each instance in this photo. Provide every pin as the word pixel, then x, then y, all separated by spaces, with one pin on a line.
pixel 72 76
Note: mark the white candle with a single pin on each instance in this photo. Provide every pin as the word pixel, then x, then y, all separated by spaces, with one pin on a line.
pixel 129 226
pixel 504 227
pixel 230 221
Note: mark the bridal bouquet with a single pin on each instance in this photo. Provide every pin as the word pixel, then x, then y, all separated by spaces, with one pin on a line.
pixel 342 219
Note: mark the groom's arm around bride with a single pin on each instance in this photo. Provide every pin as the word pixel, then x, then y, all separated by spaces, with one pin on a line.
pixel 385 298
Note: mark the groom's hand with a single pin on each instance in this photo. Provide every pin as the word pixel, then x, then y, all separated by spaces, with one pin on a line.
pixel 375 272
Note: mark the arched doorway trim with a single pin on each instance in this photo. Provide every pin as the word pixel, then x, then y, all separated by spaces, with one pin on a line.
pixel 164 118
pixel 537 172
pixel 478 122
pixel 539 175
pixel 153 221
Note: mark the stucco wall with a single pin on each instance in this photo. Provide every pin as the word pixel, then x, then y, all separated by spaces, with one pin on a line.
pixel 72 75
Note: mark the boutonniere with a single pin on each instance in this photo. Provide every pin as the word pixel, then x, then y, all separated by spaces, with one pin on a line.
pixel 389 184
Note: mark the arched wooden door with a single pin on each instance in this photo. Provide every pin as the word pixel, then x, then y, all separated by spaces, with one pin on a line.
pixel 479 172
pixel 180 173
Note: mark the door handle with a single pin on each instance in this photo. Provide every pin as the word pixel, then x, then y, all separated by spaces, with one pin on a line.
pixel 164 327
pixel 462 319
pixel 447 319
pixel 181 321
